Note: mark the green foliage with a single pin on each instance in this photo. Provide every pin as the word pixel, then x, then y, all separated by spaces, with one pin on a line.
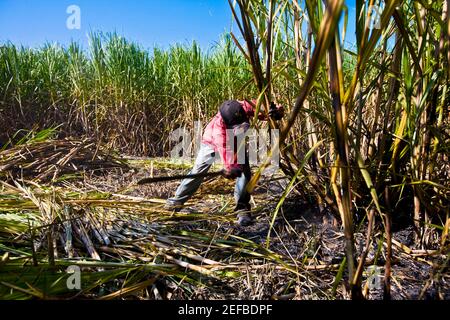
pixel 117 91
pixel 381 111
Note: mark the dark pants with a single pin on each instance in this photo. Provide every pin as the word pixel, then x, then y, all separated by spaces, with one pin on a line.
pixel 203 162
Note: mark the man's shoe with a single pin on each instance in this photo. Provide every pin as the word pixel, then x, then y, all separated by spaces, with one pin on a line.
pixel 173 205
pixel 244 219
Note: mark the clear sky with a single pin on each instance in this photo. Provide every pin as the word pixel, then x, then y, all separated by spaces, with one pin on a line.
pixel 149 22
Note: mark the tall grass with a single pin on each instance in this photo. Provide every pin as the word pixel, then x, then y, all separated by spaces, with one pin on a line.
pixel 117 91
pixel 373 123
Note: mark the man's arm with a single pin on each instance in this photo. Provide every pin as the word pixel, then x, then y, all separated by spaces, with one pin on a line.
pixel 276 112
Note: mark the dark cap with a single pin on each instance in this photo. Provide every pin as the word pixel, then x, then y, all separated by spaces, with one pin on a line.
pixel 233 113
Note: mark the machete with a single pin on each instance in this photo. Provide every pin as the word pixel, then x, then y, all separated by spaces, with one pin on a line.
pixel 180 177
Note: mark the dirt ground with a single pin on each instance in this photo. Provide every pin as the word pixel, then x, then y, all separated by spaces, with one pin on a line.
pixel 301 233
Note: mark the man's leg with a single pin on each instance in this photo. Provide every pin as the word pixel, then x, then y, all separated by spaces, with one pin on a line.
pixel 241 195
pixel 242 198
pixel 188 187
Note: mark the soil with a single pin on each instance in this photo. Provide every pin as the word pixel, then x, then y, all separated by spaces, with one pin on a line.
pixel 302 233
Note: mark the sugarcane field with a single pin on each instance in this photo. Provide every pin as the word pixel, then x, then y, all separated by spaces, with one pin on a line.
pixel 255 150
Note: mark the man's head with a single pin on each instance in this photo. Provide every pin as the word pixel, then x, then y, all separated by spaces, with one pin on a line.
pixel 233 113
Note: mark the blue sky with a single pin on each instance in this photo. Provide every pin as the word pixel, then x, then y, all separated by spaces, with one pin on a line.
pixel 149 22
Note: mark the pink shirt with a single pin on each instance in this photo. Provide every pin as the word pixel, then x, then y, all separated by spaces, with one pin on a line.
pixel 215 135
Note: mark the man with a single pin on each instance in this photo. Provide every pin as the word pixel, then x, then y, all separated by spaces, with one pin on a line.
pixel 233 116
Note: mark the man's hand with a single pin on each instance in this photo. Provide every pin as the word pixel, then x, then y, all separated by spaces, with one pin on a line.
pixel 276 113
pixel 232 173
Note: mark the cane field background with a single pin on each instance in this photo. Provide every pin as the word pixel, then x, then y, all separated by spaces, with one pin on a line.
pixel 358 210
